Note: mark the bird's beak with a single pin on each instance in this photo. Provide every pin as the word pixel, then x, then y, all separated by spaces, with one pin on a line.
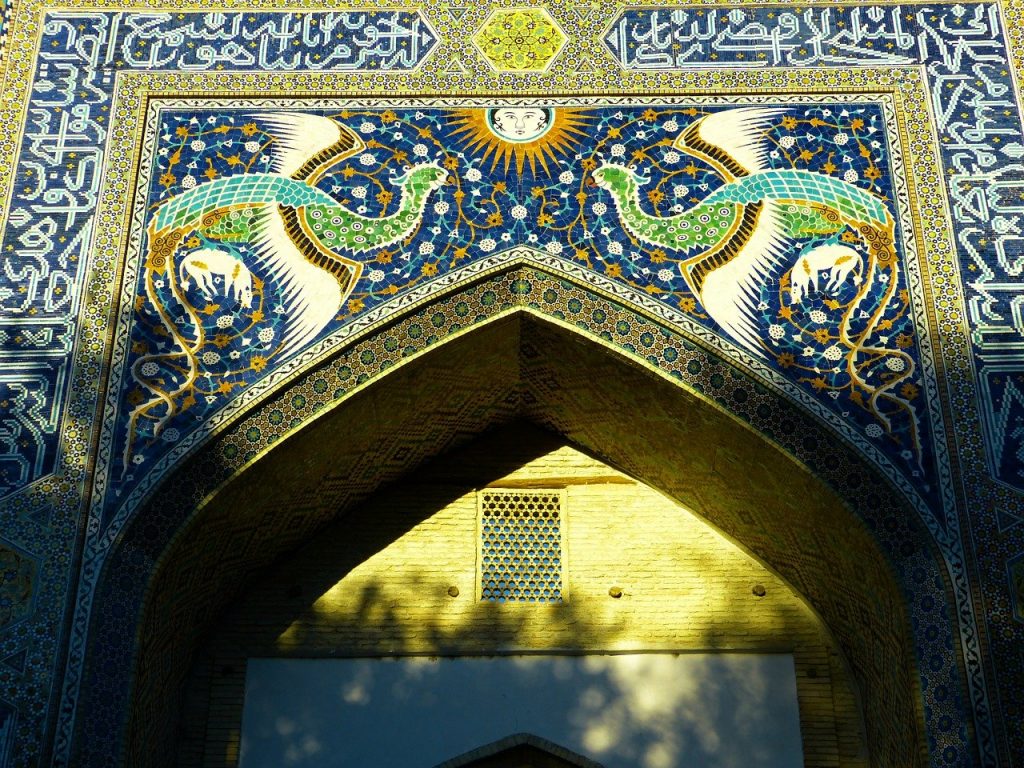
pixel 401 178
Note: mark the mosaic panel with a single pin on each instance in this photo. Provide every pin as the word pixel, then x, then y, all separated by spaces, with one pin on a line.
pixel 983 153
pixel 47 236
pixel 977 118
pixel 1016 574
pixel 56 119
pixel 6 10
pixel 814 278
pixel 519 40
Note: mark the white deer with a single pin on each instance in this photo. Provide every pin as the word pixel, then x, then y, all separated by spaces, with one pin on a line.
pixel 840 261
pixel 204 264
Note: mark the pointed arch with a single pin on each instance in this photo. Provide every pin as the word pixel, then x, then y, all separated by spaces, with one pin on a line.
pixel 757 466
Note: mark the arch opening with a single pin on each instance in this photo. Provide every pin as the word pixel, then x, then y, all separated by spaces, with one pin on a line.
pixel 517 367
pixel 625 629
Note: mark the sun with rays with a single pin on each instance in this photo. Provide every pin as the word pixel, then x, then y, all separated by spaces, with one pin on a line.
pixel 532 135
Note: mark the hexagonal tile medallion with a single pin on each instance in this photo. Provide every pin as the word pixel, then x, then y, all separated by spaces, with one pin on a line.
pixel 520 40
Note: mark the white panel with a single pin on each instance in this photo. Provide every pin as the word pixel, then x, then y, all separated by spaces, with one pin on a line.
pixel 624 711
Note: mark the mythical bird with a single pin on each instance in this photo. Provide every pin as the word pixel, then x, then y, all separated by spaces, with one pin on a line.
pixel 298 231
pixel 299 235
pixel 742 230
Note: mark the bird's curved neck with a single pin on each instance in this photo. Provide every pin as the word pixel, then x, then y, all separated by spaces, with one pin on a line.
pixel 411 199
pixel 337 227
pixel 700 227
pixel 627 201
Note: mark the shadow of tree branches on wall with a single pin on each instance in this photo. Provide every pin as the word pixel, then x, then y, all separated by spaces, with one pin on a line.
pixel 397 577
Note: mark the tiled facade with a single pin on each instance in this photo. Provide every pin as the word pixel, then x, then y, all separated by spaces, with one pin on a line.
pixel 219 226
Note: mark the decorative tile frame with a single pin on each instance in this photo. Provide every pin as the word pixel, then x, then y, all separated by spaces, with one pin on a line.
pixel 140 97
pixel 44 516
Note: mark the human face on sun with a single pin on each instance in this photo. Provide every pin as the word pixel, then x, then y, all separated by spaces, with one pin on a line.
pixel 520 124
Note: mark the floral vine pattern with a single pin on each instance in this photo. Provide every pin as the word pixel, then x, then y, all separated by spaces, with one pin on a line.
pixel 832 318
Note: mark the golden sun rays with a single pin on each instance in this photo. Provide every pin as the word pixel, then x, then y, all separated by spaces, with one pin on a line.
pixel 533 135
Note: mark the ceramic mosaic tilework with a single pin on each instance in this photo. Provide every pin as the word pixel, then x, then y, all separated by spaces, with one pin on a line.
pixel 520 40
pixel 981 150
pixel 432 251
pixel 825 313
pixel 850 303
pixel 6 9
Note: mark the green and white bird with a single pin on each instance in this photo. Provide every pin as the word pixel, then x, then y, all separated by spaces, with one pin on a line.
pixel 740 234
pixel 301 236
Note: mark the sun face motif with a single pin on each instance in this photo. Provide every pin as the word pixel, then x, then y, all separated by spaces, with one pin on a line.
pixel 519 124
pixel 532 135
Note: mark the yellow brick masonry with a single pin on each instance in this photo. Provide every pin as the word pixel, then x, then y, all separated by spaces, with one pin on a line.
pixel 378 583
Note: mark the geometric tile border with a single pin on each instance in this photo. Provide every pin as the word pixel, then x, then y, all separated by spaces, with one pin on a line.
pixel 954 44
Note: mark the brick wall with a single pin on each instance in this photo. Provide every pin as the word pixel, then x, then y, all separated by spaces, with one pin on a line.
pixel 379 582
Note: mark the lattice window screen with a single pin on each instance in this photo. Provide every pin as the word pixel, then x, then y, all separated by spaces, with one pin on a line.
pixel 520 557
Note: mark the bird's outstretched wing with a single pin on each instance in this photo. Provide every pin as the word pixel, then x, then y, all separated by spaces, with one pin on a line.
pixel 729 278
pixel 311 295
pixel 306 146
pixel 732 141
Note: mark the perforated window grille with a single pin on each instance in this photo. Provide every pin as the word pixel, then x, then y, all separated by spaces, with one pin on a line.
pixel 520 546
